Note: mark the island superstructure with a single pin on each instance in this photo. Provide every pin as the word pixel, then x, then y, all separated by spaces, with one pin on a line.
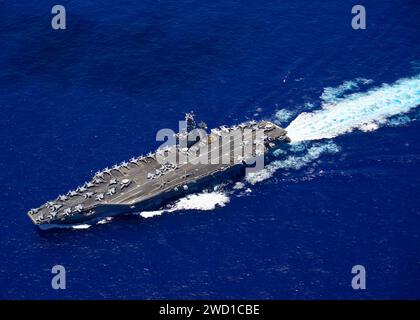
pixel 146 183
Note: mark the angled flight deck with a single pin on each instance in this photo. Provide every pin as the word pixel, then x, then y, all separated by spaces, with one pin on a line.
pixel 144 183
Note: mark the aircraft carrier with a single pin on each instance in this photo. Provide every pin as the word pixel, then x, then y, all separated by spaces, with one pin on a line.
pixel 147 182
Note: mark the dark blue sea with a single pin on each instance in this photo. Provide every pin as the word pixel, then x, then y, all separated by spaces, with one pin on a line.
pixel 77 100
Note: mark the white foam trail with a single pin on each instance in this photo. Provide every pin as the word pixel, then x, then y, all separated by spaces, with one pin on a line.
pixel 201 201
pixel 399 121
pixel 149 214
pixel 283 115
pixel 81 226
pixel 239 185
pixel 105 220
pixel 366 111
pixel 334 94
pixel 293 162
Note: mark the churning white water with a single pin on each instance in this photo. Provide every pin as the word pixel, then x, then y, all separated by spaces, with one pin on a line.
pixel 364 111
pixel 203 201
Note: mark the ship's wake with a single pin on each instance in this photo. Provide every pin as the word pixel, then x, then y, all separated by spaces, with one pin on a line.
pixel 298 156
pixel 341 112
pixel 203 201
pixel 364 111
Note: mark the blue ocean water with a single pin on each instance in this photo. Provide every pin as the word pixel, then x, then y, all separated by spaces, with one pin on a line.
pixel 77 100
